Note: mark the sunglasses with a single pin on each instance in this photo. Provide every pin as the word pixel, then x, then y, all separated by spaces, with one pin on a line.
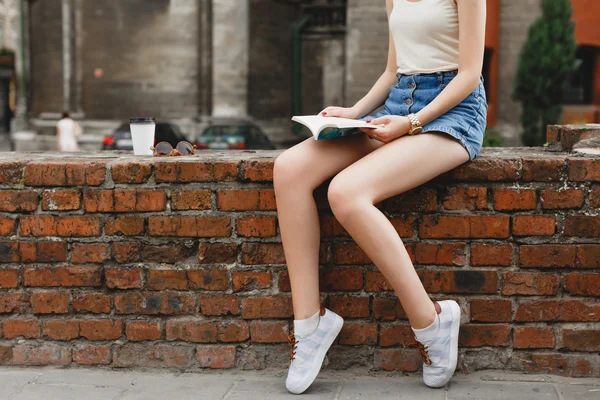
pixel 164 149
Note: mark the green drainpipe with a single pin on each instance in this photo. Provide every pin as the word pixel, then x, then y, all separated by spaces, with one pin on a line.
pixel 297 31
pixel 23 63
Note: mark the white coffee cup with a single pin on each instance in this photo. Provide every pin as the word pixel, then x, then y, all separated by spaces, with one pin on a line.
pixel 142 135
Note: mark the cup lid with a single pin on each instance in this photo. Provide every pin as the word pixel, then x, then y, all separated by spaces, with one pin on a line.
pixel 142 120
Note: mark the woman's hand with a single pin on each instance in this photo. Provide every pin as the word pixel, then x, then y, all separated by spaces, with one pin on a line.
pixel 395 126
pixel 340 112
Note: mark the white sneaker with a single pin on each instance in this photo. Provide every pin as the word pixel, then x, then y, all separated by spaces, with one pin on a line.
pixel 307 353
pixel 438 345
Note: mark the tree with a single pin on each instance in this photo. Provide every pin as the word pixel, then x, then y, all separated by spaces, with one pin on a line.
pixel 546 64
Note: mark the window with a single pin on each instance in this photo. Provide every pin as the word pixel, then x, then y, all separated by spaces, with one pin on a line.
pixel 581 88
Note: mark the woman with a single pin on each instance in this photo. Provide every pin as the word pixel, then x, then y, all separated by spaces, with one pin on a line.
pixel 434 117
pixel 67 132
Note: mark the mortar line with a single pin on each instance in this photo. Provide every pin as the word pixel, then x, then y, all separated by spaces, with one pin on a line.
pixel 558 392
pixel 229 393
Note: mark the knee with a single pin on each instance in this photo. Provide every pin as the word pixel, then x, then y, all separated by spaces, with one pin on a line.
pixel 345 199
pixel 287 170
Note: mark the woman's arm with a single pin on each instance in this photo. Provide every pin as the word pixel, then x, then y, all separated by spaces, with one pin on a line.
pixel 58 138
pixel 472 15
pixel 380 90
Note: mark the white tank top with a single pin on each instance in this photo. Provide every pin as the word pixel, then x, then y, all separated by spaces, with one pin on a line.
pixel 425 35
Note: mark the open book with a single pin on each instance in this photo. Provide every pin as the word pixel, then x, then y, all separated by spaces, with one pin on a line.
pixel 331 127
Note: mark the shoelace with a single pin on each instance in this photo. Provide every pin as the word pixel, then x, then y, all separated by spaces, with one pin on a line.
pixel 422 349
pixel 292 342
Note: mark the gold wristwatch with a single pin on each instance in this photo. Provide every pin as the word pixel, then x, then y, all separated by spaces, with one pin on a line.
pixel 415 125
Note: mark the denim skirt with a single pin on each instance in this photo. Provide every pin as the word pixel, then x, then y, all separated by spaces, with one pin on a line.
pixel 466 122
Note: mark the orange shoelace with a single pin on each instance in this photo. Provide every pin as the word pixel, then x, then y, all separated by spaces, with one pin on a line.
pixel 292 342
pixel 415 343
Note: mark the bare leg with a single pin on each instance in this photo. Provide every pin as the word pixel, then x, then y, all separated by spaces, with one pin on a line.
pixel 297 173
pixel 392 169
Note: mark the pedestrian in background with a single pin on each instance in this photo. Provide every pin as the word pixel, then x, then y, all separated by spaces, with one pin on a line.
pixel 67 132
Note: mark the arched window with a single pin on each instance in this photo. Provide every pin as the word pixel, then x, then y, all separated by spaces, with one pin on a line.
pixel 581 88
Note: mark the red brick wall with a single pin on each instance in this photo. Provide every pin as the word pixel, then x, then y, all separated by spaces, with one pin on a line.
pixel 178 263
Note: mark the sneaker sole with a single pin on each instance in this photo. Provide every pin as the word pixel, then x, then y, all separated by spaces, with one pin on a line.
pixel 455 308
pixel 313 371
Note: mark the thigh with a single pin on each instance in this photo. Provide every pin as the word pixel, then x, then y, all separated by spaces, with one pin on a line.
pixel 317 160
pixel 402 165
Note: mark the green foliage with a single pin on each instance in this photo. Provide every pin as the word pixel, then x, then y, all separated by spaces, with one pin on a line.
pixel 546 64
pixel 492 139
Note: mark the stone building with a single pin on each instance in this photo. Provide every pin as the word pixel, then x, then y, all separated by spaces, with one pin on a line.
pixel 188 60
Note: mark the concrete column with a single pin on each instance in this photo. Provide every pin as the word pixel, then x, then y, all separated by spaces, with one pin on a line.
pixel 334 72
pixel 205 59
pixel 67 53
pixel 230 57
pixel 22 68
pixel 79 58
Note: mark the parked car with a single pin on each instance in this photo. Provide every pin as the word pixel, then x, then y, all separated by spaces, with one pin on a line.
pixel 121 137
pixel 233 134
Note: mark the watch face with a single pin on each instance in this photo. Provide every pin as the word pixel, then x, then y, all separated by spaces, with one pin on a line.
pixel 416 130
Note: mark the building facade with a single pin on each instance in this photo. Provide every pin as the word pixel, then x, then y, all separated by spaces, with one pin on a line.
pixel 188 60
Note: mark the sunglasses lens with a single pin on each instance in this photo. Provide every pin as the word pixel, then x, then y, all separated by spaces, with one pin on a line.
pixel 185 148
pixel 163 149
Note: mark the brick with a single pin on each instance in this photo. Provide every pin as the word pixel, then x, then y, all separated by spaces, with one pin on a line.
pixel 331 227
pixel 125 226
pixel 9 252
pixel 74 173
pixel 61 200
pixel 262 253
pixel 171 253
pixel 284 282
pixel 49 303
pixel 561 198
pixel 189 226
pixel 39 225
pixel 460 281
pixel 582 284
pixel 269 331
pixel 465 198
pixel 124 200
pixel 422 199
pixel 376 282
pixel 392 335
pixel 192 331
pixel 543 170
pixel 8 226
pixel 484 335
pixel 123 278
pixel 154 303
pixel 581 340
pixel 78 226
pixel 485 254
pixel 18 201
pixel 41 354
pixel 191 199
pixel 387 309
pixel 92 355
pixel 356 333
pixel 547 256
pixel 196 171
pixel 9 278
pixel 161 280
pixel 101 329
pixel 259 226
pixel 43 252
pixel 524 283
pixel 397 359
pixel 251 280
pixel 584 170
pixel 131 172
pixel 220 305
pixel 579 311
pixel 594 196
pixel 333 280
pixel 216 357
pixel 259 170
pixel 213 253
pixel 27 328
pixel 515 199
pixel 582 226
pixel 12 172
pixel 538 310
pixel 96 303
pixel 61 330
pixel 266 307
pixel 588 256
pixel 246 200
pixel 6 353
pixel 152 356
pixel 126 252
pixel 62 276
pixel 533 338
pixel 458 227
pixel 349 253
pixel 404 226
pixel 441 254
pixel 233 331
pixel 209 279
pixel 350 307
pixel 491 310
pixel 534 225
pixel 138 331
pixel 489 226
pixel 487 170
pixel 96 253
pixel 13 302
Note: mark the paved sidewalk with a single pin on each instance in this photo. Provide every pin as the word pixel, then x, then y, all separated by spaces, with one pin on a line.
pixel 98 384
